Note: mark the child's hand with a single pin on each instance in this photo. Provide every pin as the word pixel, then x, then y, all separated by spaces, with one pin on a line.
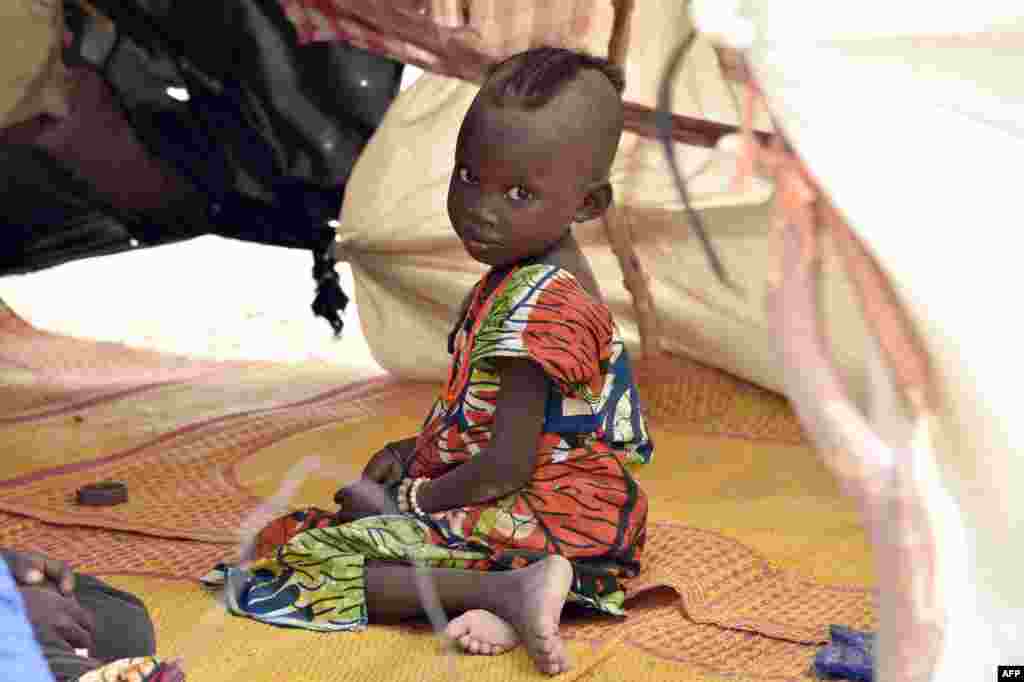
pixel 36 570
pixel 58 619
pixel 364 498
pixel 47 590
pixel 384 468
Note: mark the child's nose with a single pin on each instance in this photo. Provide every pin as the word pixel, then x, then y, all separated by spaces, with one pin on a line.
pixel 484 212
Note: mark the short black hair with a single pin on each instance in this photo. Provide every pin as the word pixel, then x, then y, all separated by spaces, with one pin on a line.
pixel 534 77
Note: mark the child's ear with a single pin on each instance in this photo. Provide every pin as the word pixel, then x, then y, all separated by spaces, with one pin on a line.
pixel 597 201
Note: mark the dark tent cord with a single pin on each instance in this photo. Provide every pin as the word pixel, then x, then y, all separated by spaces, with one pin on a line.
pixel 330 299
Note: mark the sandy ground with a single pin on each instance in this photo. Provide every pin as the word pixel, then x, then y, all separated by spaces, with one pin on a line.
pixel 208 297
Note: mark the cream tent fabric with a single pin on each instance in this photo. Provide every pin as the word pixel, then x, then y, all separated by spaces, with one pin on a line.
pixel 411 272
pixel 31 72
pixel 910 115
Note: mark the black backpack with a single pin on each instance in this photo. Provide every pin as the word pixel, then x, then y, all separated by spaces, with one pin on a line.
pixel 263 131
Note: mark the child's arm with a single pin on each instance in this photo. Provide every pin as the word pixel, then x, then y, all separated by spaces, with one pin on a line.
pixel 403 448
pixel 387 465
pixel 508 462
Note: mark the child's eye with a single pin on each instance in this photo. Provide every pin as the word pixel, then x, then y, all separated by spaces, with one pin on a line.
pixel 465 176
pixel 517 193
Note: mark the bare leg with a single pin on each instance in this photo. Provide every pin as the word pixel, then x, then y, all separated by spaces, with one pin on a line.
pixel 529 599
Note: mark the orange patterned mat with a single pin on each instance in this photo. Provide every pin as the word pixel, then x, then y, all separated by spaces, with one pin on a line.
pixel 182 485
pixel 49 374
pixel 705 601
pixel 680 393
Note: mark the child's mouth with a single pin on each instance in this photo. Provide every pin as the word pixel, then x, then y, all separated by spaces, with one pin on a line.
pixel 473 238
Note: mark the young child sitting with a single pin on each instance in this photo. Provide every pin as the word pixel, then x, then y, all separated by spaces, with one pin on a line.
pixel 516 495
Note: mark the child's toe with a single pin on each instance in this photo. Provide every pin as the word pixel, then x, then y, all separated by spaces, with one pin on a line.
pixel 457 630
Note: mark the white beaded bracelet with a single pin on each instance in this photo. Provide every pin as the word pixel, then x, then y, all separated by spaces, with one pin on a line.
pixel 406 497
pixel 416 508
pixel 402 495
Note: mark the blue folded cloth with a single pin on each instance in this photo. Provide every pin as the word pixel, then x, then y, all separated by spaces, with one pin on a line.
pixel 849 656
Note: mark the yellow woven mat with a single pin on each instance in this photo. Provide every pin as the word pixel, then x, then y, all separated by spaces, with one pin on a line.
pixel 729 595
pixel 747 525
pixel 718 580
pixel 218 647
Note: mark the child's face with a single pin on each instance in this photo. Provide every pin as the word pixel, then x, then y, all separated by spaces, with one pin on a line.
pixel 516 187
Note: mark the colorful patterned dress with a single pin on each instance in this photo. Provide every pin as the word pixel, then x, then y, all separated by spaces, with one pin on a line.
pixel 582 501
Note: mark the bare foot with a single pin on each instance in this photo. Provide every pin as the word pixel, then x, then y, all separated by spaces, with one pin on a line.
pixel 483 633
pixel 535 609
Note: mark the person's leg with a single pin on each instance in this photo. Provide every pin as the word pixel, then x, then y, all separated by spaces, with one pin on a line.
pixel 123 629
pixel 123 626
pixel 529 599
pixel 65 664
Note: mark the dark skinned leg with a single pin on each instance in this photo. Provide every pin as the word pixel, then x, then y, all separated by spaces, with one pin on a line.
pixel 529 599
pixel 123 630
pixel 123 626
pixel 392 595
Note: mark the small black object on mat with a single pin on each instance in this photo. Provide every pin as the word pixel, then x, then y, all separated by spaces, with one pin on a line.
pixel 103 494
